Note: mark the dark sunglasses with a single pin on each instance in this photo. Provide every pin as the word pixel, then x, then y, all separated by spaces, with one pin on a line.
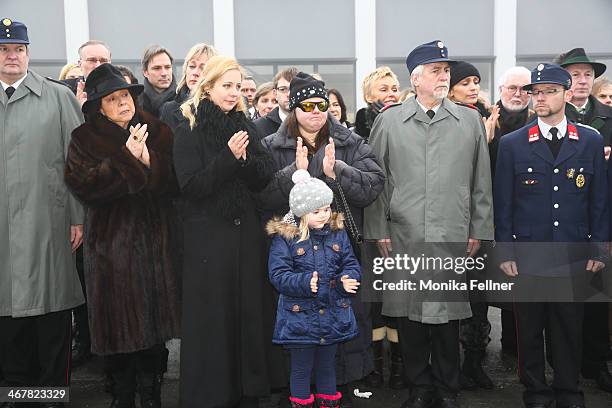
pixel 309 106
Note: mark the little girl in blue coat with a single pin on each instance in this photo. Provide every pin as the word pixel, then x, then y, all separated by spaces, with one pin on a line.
pixel 313 267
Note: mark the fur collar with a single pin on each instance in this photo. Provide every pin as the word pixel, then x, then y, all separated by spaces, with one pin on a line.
pixel 289 231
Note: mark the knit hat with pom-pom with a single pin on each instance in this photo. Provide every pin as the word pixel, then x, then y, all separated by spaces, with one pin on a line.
pixel 308 194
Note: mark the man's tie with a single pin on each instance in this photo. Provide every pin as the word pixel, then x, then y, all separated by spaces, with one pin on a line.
pixel 555 143
pixel 9 91
pixel 430 113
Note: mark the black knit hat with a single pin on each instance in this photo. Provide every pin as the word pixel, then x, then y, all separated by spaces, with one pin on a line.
pixel 461 70
pixel 104 80
pixel 304 86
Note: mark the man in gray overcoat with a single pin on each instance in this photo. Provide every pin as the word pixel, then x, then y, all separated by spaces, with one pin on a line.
pixel 437 193
pixel 40 222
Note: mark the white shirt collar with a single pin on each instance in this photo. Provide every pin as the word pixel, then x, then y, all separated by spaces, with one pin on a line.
pixel 545 129
pixel 580 108
pixel 435 108
pixel 15 85
pixel 282 115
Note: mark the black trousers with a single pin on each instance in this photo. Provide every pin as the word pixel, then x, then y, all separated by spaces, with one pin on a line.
pixel 595 337
pixel 35 351
pixel 563 323
pixel 421 342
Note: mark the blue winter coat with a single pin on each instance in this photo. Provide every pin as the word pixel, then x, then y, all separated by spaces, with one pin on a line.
pixel 303 317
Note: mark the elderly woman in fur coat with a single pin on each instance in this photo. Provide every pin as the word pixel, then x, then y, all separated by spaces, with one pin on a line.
pixel 120 166
pixel 227 299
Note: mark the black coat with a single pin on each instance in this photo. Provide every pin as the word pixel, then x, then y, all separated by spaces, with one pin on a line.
pixel 228 303
pixel 132 242
pixel 268 124
pixel 598 117
pixel 362 180
pixel 170 112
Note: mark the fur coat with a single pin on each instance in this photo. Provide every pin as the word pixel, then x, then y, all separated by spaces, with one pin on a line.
pixel 131 243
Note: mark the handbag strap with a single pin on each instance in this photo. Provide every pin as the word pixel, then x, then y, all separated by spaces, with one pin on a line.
pixel 350 221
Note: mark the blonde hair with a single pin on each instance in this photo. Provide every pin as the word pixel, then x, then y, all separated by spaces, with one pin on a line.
pixel 214 69
pixel 195 52
pixel 600 83
pixel 66 69
pixel 303 228
pixel 378 73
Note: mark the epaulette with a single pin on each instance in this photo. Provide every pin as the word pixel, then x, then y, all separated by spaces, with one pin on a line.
pixel 587 126
pixel 389 106
pixel 57 81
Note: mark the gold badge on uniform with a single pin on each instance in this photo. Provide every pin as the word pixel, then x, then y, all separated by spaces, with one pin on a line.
pixel 300 251
pixel 7 22
pixel 580 181
pixel 570 173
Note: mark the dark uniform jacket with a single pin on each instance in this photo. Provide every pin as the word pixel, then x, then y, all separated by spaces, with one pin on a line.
pixel 541 199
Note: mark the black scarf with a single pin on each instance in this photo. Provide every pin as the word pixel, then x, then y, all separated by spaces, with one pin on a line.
pixel 153 101
pixel 215 128
pixel 511 121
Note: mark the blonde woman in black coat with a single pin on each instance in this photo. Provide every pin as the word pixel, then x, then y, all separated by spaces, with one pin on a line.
pixel 227 311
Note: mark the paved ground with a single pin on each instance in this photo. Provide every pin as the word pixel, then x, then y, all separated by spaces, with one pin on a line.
pixel 88 392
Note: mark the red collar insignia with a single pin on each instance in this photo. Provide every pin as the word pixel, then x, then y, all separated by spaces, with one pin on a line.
pixel 572 132
pixel 534 134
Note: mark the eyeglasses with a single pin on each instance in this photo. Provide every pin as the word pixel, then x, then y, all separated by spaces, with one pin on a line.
pixel 546 92
pixel 513 88
pixel 282 89
pixel 93 60
pixel 309 106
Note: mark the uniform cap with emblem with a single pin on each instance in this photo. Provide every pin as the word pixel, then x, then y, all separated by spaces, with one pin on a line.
pixel 308 194
pixel 549 74
pixel 13 32
pixel 428 53
pixel 579 56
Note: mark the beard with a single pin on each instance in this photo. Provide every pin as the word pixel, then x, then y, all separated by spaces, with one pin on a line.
pixel 513 107
pixel 440 93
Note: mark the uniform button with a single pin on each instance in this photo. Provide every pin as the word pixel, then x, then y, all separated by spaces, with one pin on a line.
pixel 556 188
pixel 556 223
pixel 236 221
pixel 322 311
pixel 556 205
pixel 322 341
pixel 581 169
pixel 556 171
pixel 530 170
pixel 315 247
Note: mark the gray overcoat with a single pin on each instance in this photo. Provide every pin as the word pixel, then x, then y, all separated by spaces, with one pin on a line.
pixel 37 267
pixel 437 190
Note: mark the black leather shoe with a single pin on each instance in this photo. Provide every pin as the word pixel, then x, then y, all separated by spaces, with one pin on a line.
pixel 81 354
pixel 538 405
pixel 571 406
pixel 603 379
pixel 418 402
pixel 447 402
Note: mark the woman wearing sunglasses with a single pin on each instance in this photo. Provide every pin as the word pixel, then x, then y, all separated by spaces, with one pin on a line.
pixel 311 139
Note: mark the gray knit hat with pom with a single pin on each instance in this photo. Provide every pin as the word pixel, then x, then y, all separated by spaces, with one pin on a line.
pixel 308 194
